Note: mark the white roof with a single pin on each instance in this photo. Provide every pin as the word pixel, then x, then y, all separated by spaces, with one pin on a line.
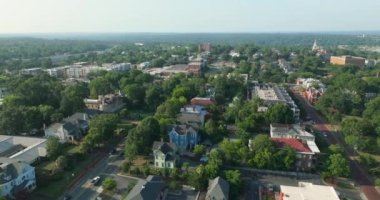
pixel 308 191
pixel 313 147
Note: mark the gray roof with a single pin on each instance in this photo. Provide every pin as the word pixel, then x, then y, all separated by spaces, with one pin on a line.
pixel 70 128
pixel 218 189
pixel 10 169
pixel 183 129
pixel 164 147
pixel 189 118
pixel 149 189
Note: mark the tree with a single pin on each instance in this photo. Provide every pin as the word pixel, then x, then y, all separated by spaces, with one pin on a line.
pixel 233 178
pixel 135 94
pixel 338 166
pixel 280 113
pixel 199 150
pixel 289 158
pixel 53 147
pixel 198 178
pixel 61 162
pixel 99 86
pixel 102 128
pixel 141 138
pixel 109 183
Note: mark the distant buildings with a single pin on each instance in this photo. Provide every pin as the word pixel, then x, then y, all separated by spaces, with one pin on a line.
pixel 284 65
pixel 31 71
pixel 271 95
pixel 318 49
pixel 153 188
pixel 347 60
pixel 313 89
pixel 106 103
pixel 234 53
pixel 16 176
pixel 82 69
pixel 218 189
pixel 308 191
pixel 205 47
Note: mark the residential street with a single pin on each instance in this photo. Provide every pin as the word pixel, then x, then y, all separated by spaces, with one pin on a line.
pixel 84 189
pixel 359 175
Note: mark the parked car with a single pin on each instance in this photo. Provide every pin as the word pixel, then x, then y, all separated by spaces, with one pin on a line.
pixel 95 180
pixel 67 197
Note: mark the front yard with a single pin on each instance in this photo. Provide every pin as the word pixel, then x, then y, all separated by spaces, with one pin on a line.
pixel 50 184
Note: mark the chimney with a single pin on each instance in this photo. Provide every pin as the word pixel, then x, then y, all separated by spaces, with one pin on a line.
pixel 162 139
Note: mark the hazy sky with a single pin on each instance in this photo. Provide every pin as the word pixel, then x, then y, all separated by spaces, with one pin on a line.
pixel 24 16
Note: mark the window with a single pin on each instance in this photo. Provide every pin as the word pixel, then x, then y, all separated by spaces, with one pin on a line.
pixel 156 164
pixel 162 165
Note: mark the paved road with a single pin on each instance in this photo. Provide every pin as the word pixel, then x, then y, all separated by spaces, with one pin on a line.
pixel 359 175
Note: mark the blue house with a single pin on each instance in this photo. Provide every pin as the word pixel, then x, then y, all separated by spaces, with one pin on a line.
pixel 184 136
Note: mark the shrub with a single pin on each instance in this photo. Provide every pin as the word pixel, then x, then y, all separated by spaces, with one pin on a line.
pixel 109 183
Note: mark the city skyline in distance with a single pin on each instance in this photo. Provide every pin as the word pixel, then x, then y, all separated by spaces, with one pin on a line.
pixel 170 16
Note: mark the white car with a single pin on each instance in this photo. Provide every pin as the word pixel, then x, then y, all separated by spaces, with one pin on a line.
pixel 95 180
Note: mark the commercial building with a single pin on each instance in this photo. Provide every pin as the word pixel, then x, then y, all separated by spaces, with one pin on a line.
pixel 347 60
pixel 307 191
pixel 271 95
pixel 27 149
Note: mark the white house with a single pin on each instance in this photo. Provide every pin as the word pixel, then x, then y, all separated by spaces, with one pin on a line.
pixel 15 176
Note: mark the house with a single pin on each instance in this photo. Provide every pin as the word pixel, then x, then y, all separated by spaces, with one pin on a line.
pixel 192 114
pixel 31 71
pixel 64 131
pixel 70 129
pixel 184 136
pixel 305 154
pixel 207 101
pixel 15 176
pixel 290 131
pixel 307 191
pixel 313 88
pixel 153 188
pixel 218 189
pixel 165 154
pixel 106 103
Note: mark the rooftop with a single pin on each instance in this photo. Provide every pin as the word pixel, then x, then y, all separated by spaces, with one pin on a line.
pixel 295 144
pixel 308 191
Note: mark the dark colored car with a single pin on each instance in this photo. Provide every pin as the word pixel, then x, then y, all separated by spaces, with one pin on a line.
pixel 67 197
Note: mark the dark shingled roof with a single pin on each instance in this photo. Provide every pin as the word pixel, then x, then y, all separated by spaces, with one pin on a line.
pixel 218 189
pixel 164 147
pixel 148 189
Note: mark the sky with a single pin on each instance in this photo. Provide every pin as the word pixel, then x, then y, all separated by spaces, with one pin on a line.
pixel 183 16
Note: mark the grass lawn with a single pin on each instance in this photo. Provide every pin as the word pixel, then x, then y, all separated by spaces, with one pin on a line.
pixel 55 185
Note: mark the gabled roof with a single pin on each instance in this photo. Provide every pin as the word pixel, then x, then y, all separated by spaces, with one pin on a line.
pixel 148 189
pixel 218 189
pixel 190 118
pixel 202 101
pixel 10 169
pixel 183 129
pixel 164 147
pixel 295 144
pixel 69 127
